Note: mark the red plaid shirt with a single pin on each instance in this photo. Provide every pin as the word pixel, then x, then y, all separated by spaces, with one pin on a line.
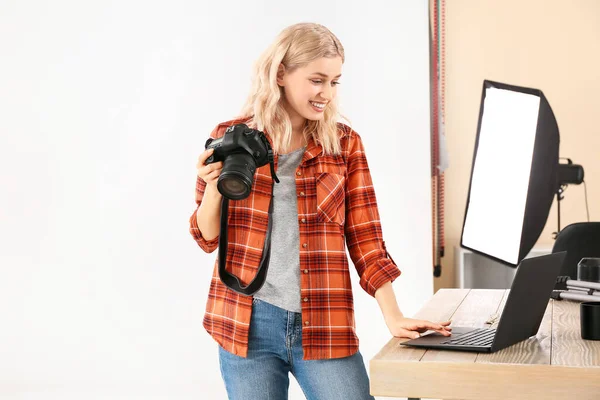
pixel 336 206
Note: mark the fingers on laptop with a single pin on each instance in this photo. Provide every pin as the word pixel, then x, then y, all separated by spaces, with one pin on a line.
pixel 441 328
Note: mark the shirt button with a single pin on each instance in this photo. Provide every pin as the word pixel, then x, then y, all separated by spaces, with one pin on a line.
pixel 306 299
pixel 306 322
pixel 306 271
pixel 298 173
pixel 303 220
pixel 301 193
pixel 304 245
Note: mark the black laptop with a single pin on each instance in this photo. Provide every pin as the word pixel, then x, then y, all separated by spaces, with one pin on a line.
pixel 525 306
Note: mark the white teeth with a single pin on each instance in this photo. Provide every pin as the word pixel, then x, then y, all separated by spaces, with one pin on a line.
pixel 319 105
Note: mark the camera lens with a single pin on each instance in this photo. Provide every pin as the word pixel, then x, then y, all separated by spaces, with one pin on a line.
pixel 233 187
pixel 235 180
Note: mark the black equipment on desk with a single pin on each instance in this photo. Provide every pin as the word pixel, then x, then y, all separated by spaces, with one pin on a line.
pixel 585 288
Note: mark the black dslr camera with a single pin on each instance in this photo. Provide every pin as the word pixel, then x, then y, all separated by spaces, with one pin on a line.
pixel 242 150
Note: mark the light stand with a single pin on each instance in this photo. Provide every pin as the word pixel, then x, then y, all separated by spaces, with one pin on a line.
pixel 568 173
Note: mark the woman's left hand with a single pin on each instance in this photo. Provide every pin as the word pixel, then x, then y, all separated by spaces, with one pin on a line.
pixel 412 328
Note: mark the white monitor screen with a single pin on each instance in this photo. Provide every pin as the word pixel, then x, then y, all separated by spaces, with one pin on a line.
pixel 501 170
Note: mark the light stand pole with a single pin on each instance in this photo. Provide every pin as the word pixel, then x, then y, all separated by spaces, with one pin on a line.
pixel 567 174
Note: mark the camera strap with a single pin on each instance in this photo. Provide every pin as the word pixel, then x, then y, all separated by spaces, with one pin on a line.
pixel 230 280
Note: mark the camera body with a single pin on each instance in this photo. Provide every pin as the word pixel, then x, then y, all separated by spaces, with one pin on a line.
pixel 239 139
pixel 242 150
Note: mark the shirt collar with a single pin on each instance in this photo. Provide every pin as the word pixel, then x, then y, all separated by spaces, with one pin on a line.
pixel 313 149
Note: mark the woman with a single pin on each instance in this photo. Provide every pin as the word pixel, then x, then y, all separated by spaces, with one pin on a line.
pixel 302 318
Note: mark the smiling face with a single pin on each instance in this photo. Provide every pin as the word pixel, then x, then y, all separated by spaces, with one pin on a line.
pixel 308 90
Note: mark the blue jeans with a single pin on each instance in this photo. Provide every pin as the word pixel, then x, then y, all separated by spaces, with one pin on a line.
pixel 275 349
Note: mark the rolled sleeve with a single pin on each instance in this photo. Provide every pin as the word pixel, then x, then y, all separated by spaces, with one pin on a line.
pixel 207 245
pixel 384 270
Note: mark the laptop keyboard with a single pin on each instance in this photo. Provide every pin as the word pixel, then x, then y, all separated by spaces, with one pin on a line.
pixel 477 337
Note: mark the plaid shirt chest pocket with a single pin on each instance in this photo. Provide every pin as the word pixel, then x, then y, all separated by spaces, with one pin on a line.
pixel 331 201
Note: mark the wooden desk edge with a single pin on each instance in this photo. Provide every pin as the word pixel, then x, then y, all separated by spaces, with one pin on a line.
pixel 483 380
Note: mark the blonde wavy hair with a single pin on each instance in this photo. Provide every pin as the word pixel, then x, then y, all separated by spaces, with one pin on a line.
pixel 295 47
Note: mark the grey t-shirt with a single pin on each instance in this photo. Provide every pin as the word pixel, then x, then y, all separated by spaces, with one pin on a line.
pixel 282 285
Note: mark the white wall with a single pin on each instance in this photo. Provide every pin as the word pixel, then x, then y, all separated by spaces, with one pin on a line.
pixel 105 107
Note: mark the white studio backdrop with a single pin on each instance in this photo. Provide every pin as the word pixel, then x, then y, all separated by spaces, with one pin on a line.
pixel 105 107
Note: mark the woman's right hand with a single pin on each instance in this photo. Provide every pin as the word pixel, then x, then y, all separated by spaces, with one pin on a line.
pixel 208 215
pixel 209 173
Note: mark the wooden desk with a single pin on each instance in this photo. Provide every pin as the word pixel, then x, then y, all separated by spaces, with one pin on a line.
pixel 554 364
